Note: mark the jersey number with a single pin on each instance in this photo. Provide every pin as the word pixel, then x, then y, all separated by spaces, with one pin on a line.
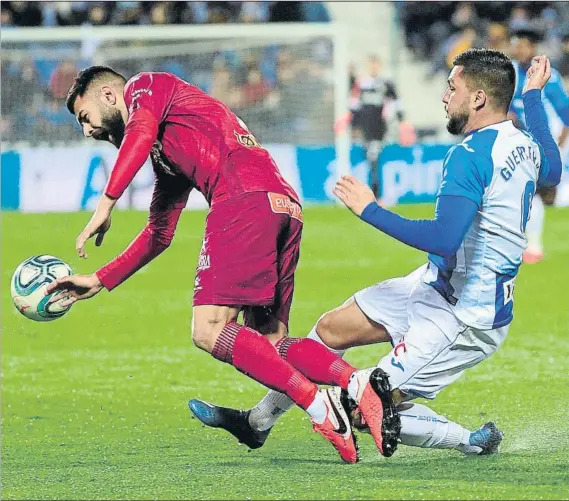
pixel 527 199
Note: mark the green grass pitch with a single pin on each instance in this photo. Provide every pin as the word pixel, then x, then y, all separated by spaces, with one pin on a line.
pixel 94 405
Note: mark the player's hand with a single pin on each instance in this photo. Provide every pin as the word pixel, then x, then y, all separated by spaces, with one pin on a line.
pixel 538 74
pixel 74 288
pixel 356 196
pixel 99 224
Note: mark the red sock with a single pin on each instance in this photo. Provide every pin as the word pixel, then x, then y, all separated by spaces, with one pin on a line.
pixel 315 361
pixel 254 355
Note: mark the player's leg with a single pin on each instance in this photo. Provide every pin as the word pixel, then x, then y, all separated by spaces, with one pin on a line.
pixel 423 427
pixel 373 151
pixel 318 363
pixel 434 353
pixel 376 314
pixel 215 330
pixel 240 255
pixel 534 231
pixel 544 197
pixel 337 330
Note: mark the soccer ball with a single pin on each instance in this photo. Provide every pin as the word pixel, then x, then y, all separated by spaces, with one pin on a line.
pixel 28 287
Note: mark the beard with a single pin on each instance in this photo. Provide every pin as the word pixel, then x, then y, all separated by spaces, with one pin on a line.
pixel 112 127
pixel 457 123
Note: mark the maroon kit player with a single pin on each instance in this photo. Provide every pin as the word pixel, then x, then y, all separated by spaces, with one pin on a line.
pixel 250 248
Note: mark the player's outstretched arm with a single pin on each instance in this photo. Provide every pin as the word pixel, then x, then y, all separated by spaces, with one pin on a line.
pixel 537 123
pixel 442 235
pixel 169 198
pixel 141 132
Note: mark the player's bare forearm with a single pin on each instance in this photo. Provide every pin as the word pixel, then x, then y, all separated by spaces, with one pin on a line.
pixel 106 204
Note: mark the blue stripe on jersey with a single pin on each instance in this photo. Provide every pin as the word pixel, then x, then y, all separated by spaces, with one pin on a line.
pixel 504 304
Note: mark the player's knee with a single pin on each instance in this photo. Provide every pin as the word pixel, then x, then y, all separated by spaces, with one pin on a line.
pixel 328 332
pixel 205 334
pixel 201 338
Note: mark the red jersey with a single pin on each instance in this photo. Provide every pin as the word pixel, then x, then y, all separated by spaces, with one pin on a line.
pixel 199 138
pixel 194 141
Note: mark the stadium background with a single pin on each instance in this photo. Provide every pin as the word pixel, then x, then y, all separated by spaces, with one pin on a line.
pixel 93 405
pixel 288 88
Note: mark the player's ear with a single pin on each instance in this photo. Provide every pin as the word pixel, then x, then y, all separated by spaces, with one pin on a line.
pixel 478 99
pixel 108 95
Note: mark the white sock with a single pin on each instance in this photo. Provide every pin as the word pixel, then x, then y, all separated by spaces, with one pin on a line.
pixel 534 228
pixel 423 427
pixel 267 412
pixel 317 410
pixel 354 386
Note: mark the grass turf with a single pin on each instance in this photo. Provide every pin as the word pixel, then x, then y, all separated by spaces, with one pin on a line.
pixel 94 404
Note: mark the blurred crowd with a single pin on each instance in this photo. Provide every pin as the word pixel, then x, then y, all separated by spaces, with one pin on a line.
pixel 270 86
pixel 438 31
pixel 136 13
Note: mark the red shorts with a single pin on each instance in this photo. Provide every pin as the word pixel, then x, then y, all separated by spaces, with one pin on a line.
pixel 250 252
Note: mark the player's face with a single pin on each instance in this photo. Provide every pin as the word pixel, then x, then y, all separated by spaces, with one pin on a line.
pixel 457 99
pixel 99 120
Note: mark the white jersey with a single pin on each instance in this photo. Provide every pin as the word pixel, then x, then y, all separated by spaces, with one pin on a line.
pixel 498 168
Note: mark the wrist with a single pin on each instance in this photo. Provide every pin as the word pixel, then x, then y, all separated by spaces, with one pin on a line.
pixel 99 279
pixel 532 94
pixel 369 210
pixel 107 204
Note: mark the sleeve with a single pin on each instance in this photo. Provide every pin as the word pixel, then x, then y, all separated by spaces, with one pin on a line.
pixel 536 119
pixel 544 169
pixel 557 96
pixel 168 200
pixel 465 174
pixel 141 132
pixel 148 97
pixel 442 235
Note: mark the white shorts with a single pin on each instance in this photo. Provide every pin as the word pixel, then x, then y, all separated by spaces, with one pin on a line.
pixel 431 347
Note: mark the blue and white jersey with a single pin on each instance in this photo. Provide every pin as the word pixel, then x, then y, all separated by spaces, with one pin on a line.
pixel 498 168
pixel 555 100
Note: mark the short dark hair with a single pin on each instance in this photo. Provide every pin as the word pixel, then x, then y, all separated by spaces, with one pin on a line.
pixel 84 80
pixel 490 70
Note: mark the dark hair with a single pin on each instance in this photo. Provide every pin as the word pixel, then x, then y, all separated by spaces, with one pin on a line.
pixel 84 80
pixel 490 70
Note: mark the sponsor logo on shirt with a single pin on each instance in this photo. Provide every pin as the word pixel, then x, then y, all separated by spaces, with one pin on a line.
pixel 281 204
pixel 247 140
pixel 203 260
